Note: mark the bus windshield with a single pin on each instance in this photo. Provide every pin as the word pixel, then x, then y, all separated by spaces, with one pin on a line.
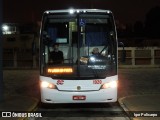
pixel 78 46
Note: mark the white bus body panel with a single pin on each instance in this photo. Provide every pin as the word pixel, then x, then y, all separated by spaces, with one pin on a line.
pixel 66 91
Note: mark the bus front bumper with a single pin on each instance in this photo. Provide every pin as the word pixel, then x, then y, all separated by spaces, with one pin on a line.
pixel 100 96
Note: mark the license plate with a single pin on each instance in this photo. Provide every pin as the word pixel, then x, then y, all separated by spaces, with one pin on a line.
pixel 82 97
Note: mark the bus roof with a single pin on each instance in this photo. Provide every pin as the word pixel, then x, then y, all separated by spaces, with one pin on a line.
pixel 77 10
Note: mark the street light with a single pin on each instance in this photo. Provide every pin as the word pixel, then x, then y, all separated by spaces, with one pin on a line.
pixel 5 29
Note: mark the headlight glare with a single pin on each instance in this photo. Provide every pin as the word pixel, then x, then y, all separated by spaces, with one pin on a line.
pixel 112 84
pixel 45 84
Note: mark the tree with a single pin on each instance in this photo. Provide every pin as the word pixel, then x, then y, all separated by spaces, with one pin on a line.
pixel 138 29
pixel 152 23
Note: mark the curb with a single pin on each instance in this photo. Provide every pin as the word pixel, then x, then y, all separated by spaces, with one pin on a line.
pixel 34 106
pixel 31 108
pixel 125 108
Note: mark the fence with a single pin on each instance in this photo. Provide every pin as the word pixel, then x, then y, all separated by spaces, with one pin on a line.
pixel 20 59
pixel 140 57
pixel 135 57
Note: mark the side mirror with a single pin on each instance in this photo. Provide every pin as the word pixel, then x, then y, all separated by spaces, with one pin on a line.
pixel 46 40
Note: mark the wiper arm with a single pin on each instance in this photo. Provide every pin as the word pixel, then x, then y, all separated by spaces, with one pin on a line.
pixel 103 49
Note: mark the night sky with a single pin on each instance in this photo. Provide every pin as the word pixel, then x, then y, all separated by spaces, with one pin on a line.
pixel 126 11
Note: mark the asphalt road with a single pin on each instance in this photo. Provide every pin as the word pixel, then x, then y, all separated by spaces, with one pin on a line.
pixel 131 82
pixel 139 81
pixel 100 111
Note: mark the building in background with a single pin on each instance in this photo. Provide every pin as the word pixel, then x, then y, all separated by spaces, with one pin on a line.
pixel 20 45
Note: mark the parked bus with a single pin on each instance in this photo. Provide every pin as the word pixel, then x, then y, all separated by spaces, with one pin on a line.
pixel 86 72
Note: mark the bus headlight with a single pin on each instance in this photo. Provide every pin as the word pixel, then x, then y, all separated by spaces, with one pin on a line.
pixel 45 84
pixel 112 84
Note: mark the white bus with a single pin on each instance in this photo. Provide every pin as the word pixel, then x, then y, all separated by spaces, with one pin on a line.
pixel 82 77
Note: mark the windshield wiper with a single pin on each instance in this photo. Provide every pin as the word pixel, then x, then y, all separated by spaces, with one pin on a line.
pixel 103 49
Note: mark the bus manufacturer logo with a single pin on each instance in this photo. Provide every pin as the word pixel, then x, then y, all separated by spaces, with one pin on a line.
pixel 78 87
pixel 60 82
pixel 97 81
